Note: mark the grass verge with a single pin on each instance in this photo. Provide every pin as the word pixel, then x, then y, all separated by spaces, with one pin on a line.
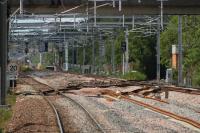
pixel 6 114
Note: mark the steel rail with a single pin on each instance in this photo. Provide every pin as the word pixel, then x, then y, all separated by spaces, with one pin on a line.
pixel 59 122
pixel 182 90
pixel 153 108
pixel 85 110
pixel 164 112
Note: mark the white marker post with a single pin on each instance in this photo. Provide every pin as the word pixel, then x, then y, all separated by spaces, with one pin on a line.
pixel 13 72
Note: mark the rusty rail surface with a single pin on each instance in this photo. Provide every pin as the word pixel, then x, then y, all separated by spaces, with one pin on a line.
pixel 170 114
pixel 124 83
pixel 182 90
pixel 153 108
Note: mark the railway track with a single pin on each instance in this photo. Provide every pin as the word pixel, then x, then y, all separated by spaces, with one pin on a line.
pixel 35 84
pixel 122 83
pixel 126 98
pixel 59 122
pixel 153 108
pixel 162 111
pixel 39 85
pixel 86 111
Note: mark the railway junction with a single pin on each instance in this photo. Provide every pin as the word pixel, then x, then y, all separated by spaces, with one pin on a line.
pixel 90 66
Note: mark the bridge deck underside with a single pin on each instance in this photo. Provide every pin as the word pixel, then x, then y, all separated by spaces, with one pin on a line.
pixel 129 7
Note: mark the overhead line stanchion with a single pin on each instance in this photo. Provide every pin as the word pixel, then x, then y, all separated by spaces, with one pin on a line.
pixel 161 12
pixel 95 13
pixel 93 51
pixel 133 22
pixel 123 21
pixel 87 20
pixel 113 54
pixel 127 51
pixel 113 3
pixel 120 5
pixel 21 6
pixel 180 52
pixel 158 51
pixel 3 50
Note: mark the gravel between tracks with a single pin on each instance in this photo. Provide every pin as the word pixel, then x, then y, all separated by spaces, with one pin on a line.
pixel 124 117
pixel 73 118
pixel 180 110
pixel 187 100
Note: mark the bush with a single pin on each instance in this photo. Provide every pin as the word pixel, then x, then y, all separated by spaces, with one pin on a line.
pixel 196 79
pixel 134 75
pixel 25 68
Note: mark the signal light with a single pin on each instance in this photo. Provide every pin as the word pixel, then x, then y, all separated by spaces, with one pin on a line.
pixel 46 46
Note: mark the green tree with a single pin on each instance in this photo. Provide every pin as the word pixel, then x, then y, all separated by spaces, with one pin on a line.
pixel 191 45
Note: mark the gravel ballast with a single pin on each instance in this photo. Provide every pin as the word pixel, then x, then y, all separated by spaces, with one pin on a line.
pixel 32 114
pixel 126 117
pixel 116 115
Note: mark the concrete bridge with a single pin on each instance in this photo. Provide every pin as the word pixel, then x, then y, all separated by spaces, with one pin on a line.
pixel 110 7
